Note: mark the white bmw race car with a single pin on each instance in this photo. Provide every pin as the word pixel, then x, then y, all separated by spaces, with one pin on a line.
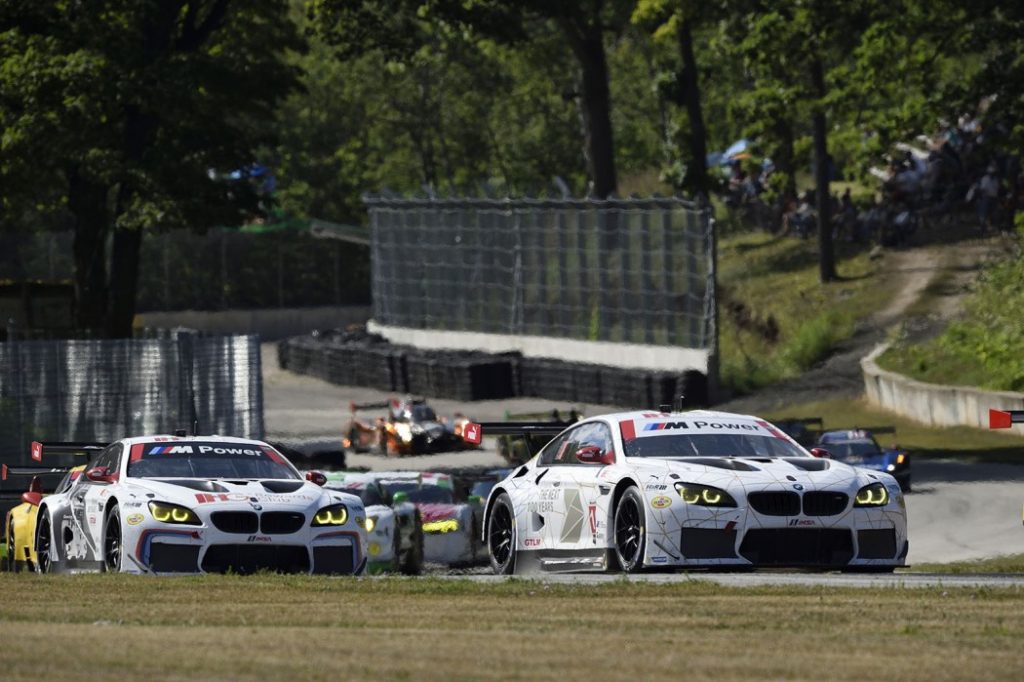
pixel 202 504
pixel 699 489
pixel 394 535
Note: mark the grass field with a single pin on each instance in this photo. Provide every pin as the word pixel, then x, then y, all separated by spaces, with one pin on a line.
pixel 960 442
pixel 277 627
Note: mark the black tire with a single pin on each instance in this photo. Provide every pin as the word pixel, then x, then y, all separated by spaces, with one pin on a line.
pixel 501 536
pixel 382 442
pixel 112 547
pixel 44 545
pixel 413 563
pixel 629 534
pixel 9 563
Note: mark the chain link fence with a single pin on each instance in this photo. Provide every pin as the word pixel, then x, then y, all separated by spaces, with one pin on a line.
pixel 623 270
pixel 102 390
pixel 219 270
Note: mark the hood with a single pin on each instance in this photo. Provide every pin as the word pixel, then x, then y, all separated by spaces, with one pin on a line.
pixel 437 511
pixel 811 473
pixel 282 493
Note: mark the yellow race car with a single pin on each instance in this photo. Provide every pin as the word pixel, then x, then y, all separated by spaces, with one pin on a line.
pixel 20 524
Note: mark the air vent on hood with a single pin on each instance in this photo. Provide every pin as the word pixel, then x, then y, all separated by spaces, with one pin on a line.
pixel 721 463
pixel 282 486
pixel 202 486
pixel 809 463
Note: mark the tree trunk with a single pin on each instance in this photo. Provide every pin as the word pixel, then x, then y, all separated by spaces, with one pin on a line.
pixel 124 278
pixel 826 257
pixel 596 107
pixel 87 202
pixel 697 176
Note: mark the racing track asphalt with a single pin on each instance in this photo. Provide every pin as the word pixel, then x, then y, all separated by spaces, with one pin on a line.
pixel 957 511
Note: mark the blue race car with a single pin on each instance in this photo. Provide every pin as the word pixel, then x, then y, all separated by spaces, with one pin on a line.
pixel 859 448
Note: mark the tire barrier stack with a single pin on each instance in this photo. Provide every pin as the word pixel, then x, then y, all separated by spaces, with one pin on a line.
pixel 364 359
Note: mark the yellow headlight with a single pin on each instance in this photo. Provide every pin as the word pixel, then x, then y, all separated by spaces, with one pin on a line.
pixel 704 495
pixel 335 515
pixel 172 513
pixel 873 495
pixel 446 526
pixel 371 523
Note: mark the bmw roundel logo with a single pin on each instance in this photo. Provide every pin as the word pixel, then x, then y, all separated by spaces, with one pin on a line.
pixel 798 486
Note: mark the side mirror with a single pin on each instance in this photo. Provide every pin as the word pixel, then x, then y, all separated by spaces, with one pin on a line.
pixel 316 477
pixel 821 452
pixel 591 454
pixel 32 498
pixel 399 498
pixel 100 475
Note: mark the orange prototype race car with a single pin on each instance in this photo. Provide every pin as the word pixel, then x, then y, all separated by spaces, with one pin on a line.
pixel 410 427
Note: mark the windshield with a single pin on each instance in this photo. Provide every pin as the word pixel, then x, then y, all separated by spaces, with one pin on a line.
pixel 712 445
pixel 423 413
pixel 208 460
pixel 427 494
pixel 852 448
pixel 482 488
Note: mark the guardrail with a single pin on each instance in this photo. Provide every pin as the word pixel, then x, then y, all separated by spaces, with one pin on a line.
pixel 933 404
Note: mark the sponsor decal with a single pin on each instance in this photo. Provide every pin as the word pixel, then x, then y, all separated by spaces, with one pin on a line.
pixel 206 498
pixel 802 522
pixel 546 503
pixel 373 548
pixel 664 426
pixel 259 538
pixel 797 486
pixel 652 486
pixel 661 501
pixel 171 450
pixel 360 520
pixel 532 542
pixel 592 515
pixel 132 505
pixel 471 433
pixel 92 520
pixel 660 559
pixel 37 451
pixel 134 519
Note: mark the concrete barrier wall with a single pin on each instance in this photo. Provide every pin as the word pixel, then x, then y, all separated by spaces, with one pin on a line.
pixel 934 404
pixel 272 324
pixel 650 357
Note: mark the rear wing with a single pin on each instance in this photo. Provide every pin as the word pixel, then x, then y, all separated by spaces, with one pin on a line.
pixel 473 432
pixel 803 430
pixel 1004 419
pixel 75 449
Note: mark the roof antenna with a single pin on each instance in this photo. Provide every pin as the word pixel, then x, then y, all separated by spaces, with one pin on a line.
pixel 677 405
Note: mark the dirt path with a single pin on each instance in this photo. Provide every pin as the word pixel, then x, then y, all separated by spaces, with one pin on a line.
pixel 928 284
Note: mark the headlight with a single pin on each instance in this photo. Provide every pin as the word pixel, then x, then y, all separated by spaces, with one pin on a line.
pixel 335 515
pixel 371 523
pixel 872 495
pixel 446 526
pixel 173 513
pixel 403 431
pixel 704 495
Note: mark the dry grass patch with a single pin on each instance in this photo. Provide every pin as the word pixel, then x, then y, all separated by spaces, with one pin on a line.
pixel 276 627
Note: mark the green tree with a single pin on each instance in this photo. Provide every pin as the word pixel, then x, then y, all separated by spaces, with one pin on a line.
pixel 121 116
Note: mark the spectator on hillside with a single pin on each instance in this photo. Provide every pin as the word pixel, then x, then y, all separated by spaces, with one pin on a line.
pixel 986 196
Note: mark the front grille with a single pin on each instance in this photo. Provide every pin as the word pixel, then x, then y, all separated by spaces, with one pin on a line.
pixel 708 543
pixel 167 558
pixel 825 503
pixel 333 560
pixel 876 544
pixel 236 522
pixel 281 523
pixel 778 503
pixel 251 558
pixel 807 547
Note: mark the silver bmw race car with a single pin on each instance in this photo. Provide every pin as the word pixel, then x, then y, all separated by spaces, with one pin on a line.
pixel 202 504
pixel 698 489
